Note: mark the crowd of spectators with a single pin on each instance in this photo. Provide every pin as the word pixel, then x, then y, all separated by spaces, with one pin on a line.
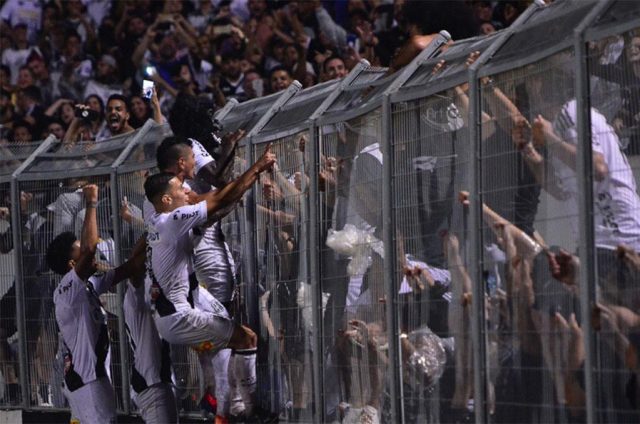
pixel 90 58
pixel 59 54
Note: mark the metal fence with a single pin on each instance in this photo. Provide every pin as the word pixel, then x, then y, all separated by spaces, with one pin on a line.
pixel 442 244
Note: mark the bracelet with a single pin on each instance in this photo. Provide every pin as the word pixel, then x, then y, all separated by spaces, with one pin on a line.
pixel 91 204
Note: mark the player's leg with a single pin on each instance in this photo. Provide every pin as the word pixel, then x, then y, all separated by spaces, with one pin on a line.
pixel 244 342
pixel 158 404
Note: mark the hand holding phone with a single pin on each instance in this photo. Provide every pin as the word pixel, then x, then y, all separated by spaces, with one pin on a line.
pixel 147 89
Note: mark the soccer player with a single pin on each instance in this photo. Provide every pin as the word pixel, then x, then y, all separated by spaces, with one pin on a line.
pixel 208 326
pixel 82 320
pixel 212 260
pixel 151 366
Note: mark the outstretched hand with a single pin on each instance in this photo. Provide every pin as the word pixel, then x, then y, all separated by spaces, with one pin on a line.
pixel 267 160
pixel 564 267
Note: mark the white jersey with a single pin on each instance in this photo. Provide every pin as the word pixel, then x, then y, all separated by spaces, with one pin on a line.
pixel 83 325
pixel 151 364
pixel 212 259
pixel 201 155
pixel 169 250
pixel 616 201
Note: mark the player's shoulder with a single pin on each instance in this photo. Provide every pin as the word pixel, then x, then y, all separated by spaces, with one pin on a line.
pixel 66 284
pixel 185 212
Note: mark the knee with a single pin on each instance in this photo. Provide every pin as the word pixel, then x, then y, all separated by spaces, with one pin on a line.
pixel 250 337
pixel 243 338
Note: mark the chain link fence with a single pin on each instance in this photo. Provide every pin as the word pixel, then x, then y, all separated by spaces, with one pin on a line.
pixel 457 241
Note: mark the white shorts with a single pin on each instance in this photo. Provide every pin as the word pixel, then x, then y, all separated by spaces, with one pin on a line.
pixel 94 402
pixel 207 327
pixel 157 404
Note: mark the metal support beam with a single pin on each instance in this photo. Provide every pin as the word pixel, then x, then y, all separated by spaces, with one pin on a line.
pixel 474 259
pixel 584 173
pixel 122 337
pixel 313 253
pixel 388 228
pixel 275 107
pixel 16 227
pixel 221 113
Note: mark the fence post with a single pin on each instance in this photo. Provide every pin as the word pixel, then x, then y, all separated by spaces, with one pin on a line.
pixel 19 283
pixel 474 259
pixel 584 171
pixel 317 347
pixel 117 240
pixel 250 244
pixel 388 227
pixel 315 248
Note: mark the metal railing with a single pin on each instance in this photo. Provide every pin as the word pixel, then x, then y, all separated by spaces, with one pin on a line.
pixel 432 246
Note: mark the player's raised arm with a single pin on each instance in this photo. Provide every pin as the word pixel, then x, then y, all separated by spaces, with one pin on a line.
pixel 233 191
pixel 85 265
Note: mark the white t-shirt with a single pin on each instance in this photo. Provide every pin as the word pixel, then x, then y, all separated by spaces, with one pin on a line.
pixel 151 363
pixel 65 208
pixel 28 12
pixel 616 201
pixel 83 325
pixel 169 249
pixel 14 59
pixel 101 90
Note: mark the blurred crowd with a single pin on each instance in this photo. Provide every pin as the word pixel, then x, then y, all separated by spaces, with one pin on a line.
pixel 58 54
pixel 77 69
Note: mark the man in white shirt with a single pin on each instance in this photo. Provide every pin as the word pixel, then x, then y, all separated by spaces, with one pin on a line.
pixel 205 327
pixel 616 219
pixel 81 318
pixel 212 260
pixel 616 201
pixel 151 365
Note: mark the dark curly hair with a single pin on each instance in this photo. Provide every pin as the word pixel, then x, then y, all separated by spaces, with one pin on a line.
pixel 59 252
pixel 190 117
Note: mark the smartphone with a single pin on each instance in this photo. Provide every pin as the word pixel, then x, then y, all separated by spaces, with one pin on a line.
pixel 147 89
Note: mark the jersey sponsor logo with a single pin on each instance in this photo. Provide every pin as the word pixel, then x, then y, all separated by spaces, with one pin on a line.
pixel 201 151
pixel 153 236
pixel 186 215
pixel 65 288
pixel 206 346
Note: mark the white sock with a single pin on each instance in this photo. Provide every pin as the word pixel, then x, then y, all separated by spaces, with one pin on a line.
pixel 237 405
pixel 208 372
pixel 221 373
pixel 245 371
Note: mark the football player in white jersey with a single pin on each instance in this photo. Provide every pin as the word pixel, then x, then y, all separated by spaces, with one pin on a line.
pixel 212 260
pixel 81 318
pixel 169 253
pixel 185 164
pixel 151 365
